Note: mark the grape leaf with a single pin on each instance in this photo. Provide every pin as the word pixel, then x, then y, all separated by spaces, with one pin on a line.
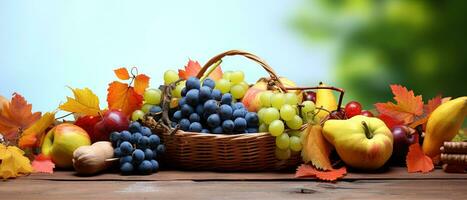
pixel 32 137
pixel 122 73
pixel 306 170
pixel 13 162
pixel 43 164
pixel 123 97
pixel 416 160
pixel 407 108
pixel 16 116
pixel 84 103
pixel 141 83
pixel 315 148
pixel 193 67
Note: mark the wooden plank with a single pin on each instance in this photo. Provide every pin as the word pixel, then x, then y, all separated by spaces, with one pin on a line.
pixel 391 174
pixel 270 190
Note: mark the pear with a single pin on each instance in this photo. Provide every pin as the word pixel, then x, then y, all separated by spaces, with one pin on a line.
pixel 325 99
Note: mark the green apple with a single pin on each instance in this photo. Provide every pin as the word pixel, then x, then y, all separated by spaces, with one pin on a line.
pixel 61 141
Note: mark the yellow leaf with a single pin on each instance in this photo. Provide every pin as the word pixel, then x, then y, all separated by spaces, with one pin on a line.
pixel 13 162
pixel 84 103
pixel 34 133
pixel 316 148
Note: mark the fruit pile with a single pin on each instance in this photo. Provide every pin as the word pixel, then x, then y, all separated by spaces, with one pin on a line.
pixel 137 149
pixel 210 108
pixel 152 99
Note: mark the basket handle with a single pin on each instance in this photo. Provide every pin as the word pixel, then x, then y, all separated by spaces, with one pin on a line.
pixel 274 78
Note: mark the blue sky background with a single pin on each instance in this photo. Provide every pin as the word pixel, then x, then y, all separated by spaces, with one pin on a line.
pixel 48 45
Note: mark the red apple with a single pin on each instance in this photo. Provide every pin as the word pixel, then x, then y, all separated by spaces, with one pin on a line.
pixel 87 123
pixel 403 138
pixel 113 120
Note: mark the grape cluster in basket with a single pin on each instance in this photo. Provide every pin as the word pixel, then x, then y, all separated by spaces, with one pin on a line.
pixel 204 108
pixel 138 149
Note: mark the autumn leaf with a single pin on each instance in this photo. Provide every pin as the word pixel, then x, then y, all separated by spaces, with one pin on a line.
pixel 416 160
pixel 84 103
pixel 121 96
pixel 32 136
pixel 141 83
pixel 16 116
pixel 315 148
pixel 13 162
pixel 3 101
pixel 390 121
pixel 428 109
pixel 43 164
pixel 306 170
pixel 122 73
pixel 407 106
pixel 193 67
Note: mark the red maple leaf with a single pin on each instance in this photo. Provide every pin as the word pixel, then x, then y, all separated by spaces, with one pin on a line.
pixel 389 121
pixel 416 160
pixel 307 170
pixel 43 164
pixel 193 67
pixel 407 107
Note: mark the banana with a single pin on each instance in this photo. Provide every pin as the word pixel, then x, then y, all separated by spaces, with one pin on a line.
pixel 443 124
pixel 325 99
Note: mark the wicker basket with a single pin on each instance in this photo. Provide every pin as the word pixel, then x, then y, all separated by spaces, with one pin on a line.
pixel 220 152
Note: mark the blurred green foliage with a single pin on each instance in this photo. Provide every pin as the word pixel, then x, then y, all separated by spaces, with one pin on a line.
pixel 419 44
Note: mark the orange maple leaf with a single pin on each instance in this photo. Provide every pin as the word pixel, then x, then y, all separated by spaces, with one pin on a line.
pixel 43 164
pixel 416 160
pixel 122 73
pixel 316 148
pixel 407 108
pixel 123 97
pixel 306 170
pixel 193 67
pixel 141 83
pixel 16 116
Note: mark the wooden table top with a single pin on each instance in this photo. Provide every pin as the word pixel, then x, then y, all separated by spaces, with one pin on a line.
pixel 395 183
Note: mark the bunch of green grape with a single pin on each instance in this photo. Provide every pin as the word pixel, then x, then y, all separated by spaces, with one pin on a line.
pixel 280 112
pixel 233 82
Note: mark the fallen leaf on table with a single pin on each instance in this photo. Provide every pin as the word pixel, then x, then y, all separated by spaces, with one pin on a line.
pixel 13 162
pixel 141 83
pixel 43 164
pixel 16 116
pixel 315 148
pixel 416 160
pixel 122 73
pixel 193 67
pixel 306 170
pixel 407 108
pixel 121 96
pixel 84 103
pixel 32 136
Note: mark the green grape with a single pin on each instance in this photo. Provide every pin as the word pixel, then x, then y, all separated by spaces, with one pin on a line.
pixel 283 141
pixel 308 108
pixel 261 114
pixel 297 133
pixel 177 92
pixel 227 75
pixel 282 154
pixel 265 98
pixel 277 100
pixel 223 85
pixel 170 76
pixel 146 107
pixel 295 123
pixel 295 143
pixel 237 91
pixel 237 77
pixel 287 112
pixel 152 96
pixel 270 114
pixel 137 114
pixel 244 85
pixel 263 128
pixel 276 127
pixel 291 98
